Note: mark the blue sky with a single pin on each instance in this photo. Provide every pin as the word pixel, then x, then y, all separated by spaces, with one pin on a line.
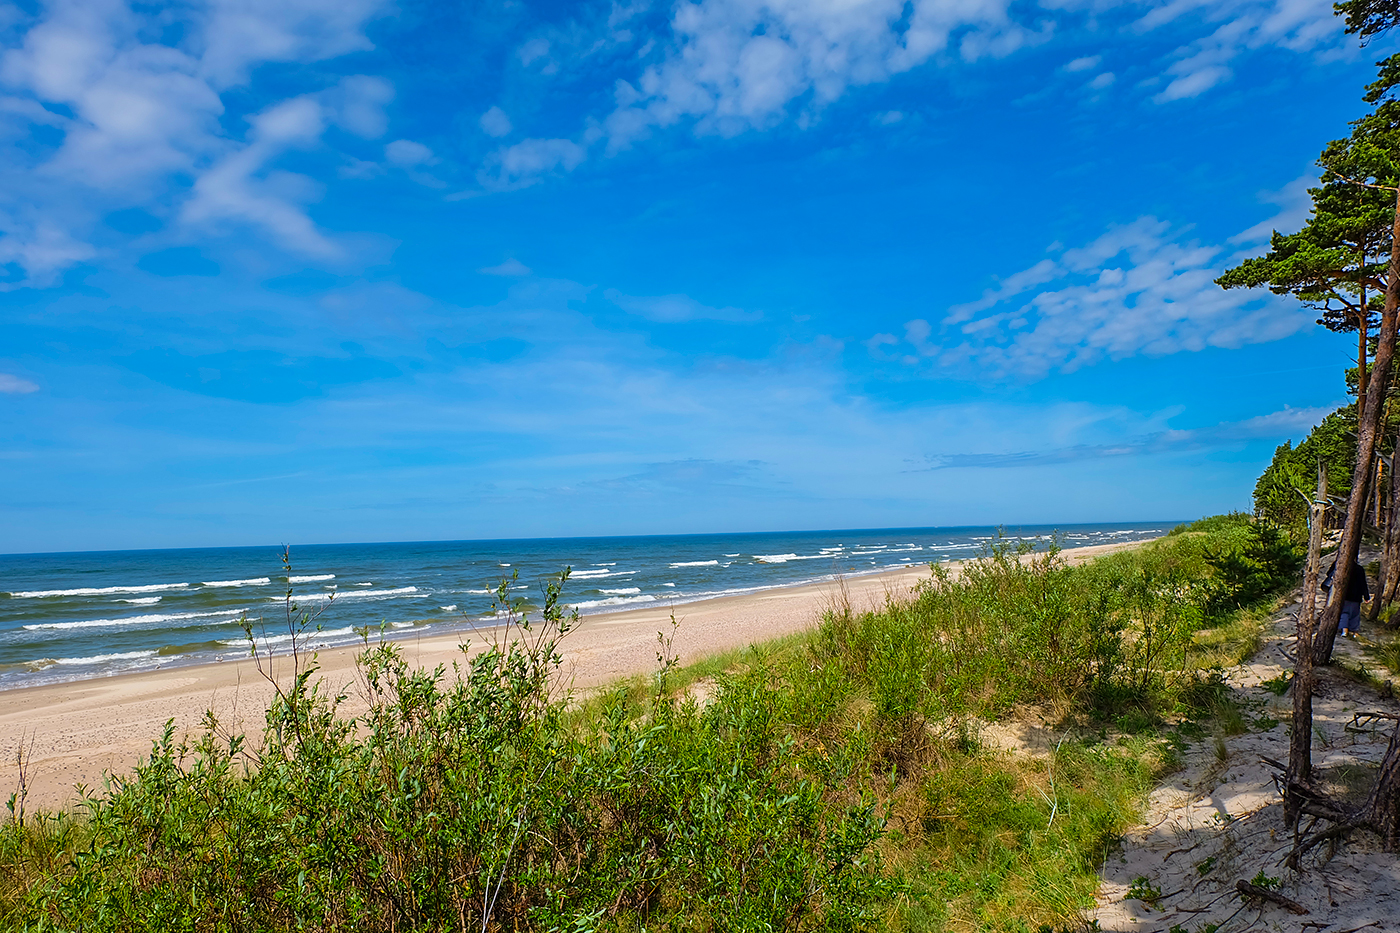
pixel 351 270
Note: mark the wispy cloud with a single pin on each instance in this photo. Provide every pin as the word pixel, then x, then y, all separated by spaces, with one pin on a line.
pixel 1287 422
pixel 139 113
pixel 13 385
pixel 1139 289
pixel 673 309
pixel 511 267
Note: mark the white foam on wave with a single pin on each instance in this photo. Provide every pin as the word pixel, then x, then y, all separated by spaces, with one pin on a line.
pixel 733 555
pixel 257 581
pixel 307 639
pixel 695 563
pixel 668 584
pixel 481 592
pixel 357 594
pixel 624 591
pixel 614 601
pixel 452 608
pixel 100 590
pixel 104 659
pixel 784 558
pixel 313 578
pixel 596 574
pixel 141 600
pixel 132 620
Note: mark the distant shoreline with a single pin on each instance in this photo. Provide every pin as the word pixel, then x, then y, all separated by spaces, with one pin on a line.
pixel 81 729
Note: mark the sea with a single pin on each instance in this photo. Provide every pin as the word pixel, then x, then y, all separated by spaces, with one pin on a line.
pixel 78 615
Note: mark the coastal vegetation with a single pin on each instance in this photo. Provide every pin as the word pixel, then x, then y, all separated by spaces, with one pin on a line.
pixel 878 772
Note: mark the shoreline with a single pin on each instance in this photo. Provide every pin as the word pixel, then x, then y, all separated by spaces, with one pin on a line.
pixel 75 732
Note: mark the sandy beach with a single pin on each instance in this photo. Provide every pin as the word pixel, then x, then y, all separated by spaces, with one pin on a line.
pixel 75 733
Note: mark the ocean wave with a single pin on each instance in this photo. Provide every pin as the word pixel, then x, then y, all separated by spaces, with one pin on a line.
pixel 784 558
pixel 481 592
pixel 625 591
pixel 306 639
pixel 141 600
pixel 257 581
pixel 614 601
pixel 100 590
pixel 598 574
pixel 313 578
pixel 452 608
pixel 695 563
pixel 132 620
pixel 733 555
pixel 105 658
pixel 356 594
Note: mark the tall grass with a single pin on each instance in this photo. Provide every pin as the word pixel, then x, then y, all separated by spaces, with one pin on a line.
pixel 833 782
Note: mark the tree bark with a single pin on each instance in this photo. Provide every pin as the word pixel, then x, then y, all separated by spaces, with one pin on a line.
pixel 1300 738
pixel 1361 351
pixel 1366 433
pixel 1389 582
pixel 1382 809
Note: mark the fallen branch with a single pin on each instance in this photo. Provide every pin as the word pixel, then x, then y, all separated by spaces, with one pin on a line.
pixel 1253 890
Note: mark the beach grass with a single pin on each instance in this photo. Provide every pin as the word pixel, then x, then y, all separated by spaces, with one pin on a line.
pixel 845 778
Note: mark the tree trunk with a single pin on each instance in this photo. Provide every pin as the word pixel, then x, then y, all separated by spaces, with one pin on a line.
pixel 1389 580
pixel 1382 809
pixel 1361 351
pixel 1366 432
pixel 1300 738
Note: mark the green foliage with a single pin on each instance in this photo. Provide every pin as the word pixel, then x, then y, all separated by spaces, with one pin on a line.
pixel 1143 890
pixel 832 782
pixel 1285 488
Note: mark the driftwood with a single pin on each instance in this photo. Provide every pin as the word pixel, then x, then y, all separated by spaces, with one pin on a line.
pixel 1253 890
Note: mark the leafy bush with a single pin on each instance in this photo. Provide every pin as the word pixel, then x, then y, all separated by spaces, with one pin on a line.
pixel 834 781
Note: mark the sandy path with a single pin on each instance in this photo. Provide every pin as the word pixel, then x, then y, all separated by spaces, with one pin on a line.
pixel 1220 819
pixel 79 731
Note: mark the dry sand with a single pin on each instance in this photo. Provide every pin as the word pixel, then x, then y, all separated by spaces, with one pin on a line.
pixel 75 733
pixel 1220 818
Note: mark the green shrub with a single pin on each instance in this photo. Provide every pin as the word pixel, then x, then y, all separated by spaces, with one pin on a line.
pixel 834 781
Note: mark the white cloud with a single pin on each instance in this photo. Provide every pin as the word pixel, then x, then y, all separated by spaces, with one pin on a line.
pixel 511 267
pixel 1297 25
pixel 240 34
pixel 1294 206
pixel 742 64
pixel 674 309
pixel 1286 422
pixel 241 187
pixel 1102 81
pixel 140 113
pixel 889 117
pixel 358 103
pixel 1084 63
pixel 1139 289
pixel 527 161
pixel 494 122
pixel 406 153
pixel 14 385
pixel 43 250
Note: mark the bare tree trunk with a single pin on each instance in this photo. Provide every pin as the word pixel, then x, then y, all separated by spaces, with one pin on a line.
pixel 1382 809
pixel 1389 580
pixel 1366 433
pixel 1300 738
pixel 1361 351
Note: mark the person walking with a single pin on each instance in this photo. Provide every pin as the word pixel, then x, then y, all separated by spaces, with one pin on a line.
pixel 1349 623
